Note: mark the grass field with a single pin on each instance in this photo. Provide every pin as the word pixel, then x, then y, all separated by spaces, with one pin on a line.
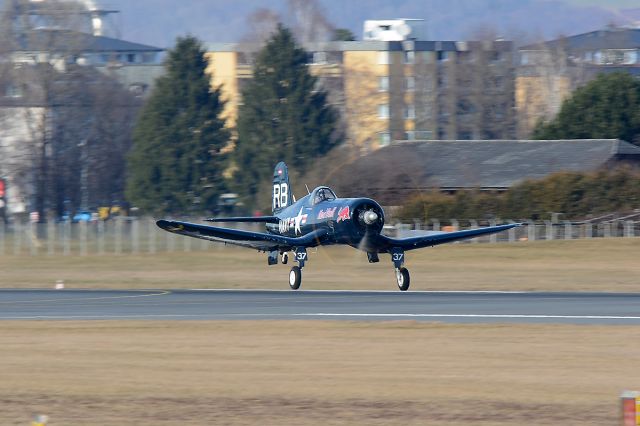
pixel 314 373
pixel 324 373
pixel 594 265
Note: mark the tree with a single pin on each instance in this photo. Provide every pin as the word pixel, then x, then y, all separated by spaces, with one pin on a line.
pixel 284 116
pixel 52 149
pixel 343 34
pixel 605 108
pixel 176 162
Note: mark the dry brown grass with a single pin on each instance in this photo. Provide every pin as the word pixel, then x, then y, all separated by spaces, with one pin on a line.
pixel 314 373
pixel 596 265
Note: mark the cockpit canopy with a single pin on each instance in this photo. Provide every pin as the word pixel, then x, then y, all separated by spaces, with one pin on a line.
pixel 322 193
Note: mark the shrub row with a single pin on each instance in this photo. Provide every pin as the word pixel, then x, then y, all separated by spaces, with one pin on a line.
pixel 575 195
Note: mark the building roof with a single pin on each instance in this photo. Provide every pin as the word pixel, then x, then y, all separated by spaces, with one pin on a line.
pixel 495 164
pixel 47 40
pixel 608 38
pixel 369 45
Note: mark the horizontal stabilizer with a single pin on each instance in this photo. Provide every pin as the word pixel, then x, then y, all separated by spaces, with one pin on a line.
pixel 255 219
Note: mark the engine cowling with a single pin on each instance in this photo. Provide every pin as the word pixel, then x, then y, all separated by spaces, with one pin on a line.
pixel 368 217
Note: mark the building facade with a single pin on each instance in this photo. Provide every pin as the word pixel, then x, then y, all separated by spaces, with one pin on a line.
pixel 391 86
pixel 548 72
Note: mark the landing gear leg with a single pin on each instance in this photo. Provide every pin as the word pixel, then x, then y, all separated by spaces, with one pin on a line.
pixel 402 273
pixel 295 275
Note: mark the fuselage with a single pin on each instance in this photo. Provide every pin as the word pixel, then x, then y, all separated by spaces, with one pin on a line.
pixel 342 218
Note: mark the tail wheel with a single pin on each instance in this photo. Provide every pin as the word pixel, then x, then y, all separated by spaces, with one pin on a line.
pixel 402 276
pixel 295 278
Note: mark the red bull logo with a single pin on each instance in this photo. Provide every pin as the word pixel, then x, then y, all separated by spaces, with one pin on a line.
pixel 343 214
pixel 327 213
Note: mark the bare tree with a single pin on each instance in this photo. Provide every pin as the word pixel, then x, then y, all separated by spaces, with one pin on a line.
pixel 60 106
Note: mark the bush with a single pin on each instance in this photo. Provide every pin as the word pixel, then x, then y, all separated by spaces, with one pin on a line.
pixel 575 195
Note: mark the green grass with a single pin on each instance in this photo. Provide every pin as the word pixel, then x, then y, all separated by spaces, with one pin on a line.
pixel 589 265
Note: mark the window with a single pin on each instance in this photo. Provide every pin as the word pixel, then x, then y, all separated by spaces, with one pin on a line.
pixel 383 58
pixel 319 58
pixel 410 84
pixel 524 58
pixel 410 135
pixel 383 111
pixel 383 84
pixel 384 138
pixel 409 57
pixel 410 112
pixel 443 55
pixel 443 81
pixel 427 57
pixel 13 91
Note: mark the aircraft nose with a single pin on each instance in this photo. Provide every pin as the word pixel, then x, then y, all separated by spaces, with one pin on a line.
pixel 370 217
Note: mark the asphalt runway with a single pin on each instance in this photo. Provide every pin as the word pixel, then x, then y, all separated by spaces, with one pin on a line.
pixel 455 307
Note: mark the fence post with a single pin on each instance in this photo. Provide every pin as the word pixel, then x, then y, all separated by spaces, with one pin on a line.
pixel 568 230
pixel 512 233
pixel 628 229
pixel 17 238
pixel 171 242
pixel 588 230
pixel 607 230
pixel 135 233
pixel 66 238
pixel 152 236
pixel 101 237
pixel 83 238
pixel 51 238
pixel 118 236
pixel 33 238
pixel 531 230
pixel 3 234
pixel 549 228
pixel 473 224
pixel 436 224
pixel 493 238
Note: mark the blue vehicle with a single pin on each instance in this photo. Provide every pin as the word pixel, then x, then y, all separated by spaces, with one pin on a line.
pixel 320 218
pixel 82 216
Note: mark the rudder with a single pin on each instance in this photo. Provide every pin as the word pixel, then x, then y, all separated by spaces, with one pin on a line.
pixel 281 188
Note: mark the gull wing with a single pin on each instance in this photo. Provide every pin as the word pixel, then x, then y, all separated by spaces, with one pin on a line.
pixel 256 240
pixel 385 243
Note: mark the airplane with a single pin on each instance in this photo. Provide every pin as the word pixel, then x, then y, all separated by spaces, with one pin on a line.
pixel 320 219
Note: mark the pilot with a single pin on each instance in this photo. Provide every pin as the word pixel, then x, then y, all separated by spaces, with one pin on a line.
pixel 320 196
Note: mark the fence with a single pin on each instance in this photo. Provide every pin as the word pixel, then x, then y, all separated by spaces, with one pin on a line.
pixel 141 235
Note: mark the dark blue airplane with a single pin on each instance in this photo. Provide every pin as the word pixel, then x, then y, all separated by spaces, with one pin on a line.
pixel 320 218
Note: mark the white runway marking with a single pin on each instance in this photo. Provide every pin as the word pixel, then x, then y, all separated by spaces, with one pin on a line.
pixel 362 291
pixel 82 299
pixel 329 315
pixel 512 316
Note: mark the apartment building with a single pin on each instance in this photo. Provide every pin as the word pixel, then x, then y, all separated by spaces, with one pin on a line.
pixel 393 85
pixel 548 72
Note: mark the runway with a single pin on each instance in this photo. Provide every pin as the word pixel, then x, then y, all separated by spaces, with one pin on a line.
pixel 452 307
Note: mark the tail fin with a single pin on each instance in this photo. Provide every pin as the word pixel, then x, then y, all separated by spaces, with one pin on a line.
pixel 281 189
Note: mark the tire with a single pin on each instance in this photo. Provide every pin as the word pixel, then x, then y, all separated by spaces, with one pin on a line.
pixel 403 279
pixel 295 278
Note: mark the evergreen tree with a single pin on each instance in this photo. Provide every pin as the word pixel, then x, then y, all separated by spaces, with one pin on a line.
pixel 284 117
pixel 605 108
pixel 176 163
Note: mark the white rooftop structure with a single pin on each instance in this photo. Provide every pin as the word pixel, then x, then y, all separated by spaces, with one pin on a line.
pixel 393 30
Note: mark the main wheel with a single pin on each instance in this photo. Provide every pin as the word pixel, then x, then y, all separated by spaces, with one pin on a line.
pixel 402 276
pixel 295 278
